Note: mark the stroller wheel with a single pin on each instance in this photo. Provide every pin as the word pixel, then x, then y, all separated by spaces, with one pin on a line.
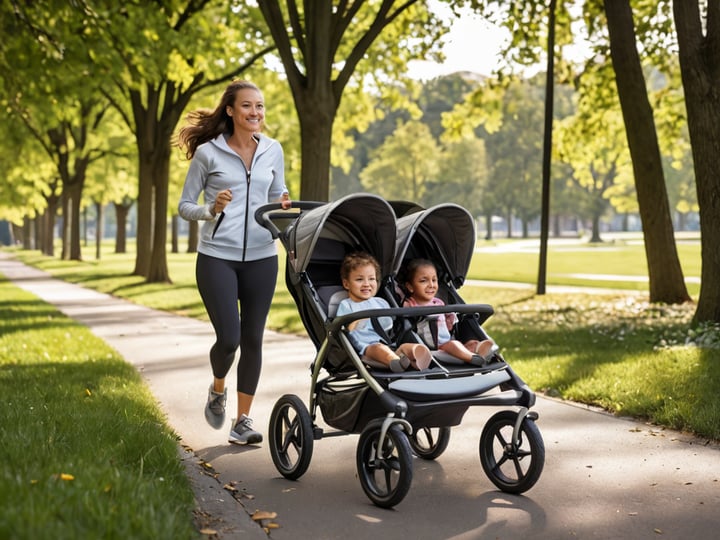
pixel 386 477
pixel 513 466
pixel 291 436
pixel 429 443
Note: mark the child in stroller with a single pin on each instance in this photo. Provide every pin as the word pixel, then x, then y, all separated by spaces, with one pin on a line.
pixel 421 285
pixel 359 273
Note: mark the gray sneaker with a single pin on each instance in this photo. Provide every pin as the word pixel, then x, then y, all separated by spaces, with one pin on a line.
pixel 215 408
pixel 243 433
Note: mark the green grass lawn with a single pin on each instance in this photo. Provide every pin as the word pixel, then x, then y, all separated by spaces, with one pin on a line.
pixel 85 450
pixel 580 263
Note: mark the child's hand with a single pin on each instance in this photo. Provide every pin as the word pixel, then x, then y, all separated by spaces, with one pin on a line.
pixel 356 324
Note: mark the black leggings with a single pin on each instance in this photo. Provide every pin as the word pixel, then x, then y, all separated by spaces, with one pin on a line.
pixel 221 284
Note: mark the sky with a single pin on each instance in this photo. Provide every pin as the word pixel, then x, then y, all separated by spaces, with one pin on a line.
pixel 472 44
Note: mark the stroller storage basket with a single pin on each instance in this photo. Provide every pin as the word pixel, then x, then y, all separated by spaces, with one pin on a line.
pixel 348 405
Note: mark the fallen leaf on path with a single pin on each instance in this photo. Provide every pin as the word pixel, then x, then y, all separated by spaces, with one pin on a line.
pixel 259 515
pixel 208 531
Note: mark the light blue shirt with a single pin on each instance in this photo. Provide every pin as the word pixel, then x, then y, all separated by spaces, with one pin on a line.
pixel 364 334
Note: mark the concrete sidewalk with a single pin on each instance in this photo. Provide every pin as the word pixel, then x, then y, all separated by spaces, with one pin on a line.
pixel 604 477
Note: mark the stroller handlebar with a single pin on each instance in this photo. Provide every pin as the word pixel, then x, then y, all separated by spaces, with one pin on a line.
pixel 267 214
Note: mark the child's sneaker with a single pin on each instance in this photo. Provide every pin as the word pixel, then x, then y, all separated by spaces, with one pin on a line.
pixel 399 364
pixel 422 357
pixel 243 433
pixel 215 408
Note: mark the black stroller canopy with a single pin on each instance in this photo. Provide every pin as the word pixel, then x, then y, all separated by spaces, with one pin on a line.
pixel 445 231
pixel 364 221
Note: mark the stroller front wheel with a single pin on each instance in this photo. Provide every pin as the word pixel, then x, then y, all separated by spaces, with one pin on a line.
pixel 291 436
pixel 385 475
pixel 513 466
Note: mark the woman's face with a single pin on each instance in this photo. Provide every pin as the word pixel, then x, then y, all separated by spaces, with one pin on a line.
pixel 424 284
pixel 248 111
pixel 361 284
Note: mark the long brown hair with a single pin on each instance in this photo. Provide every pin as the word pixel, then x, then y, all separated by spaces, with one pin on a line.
pixel 205 124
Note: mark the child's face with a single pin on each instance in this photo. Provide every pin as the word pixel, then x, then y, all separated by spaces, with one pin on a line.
pixel 424 284
pixel 362 283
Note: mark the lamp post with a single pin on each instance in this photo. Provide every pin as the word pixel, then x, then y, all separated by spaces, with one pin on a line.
pixel 547 151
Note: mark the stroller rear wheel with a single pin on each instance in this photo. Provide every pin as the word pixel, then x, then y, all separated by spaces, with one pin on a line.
pixel 291 436
pixel 429 443
pixel 513 466
pixel 385 475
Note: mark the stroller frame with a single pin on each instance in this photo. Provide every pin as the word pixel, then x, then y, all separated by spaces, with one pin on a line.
pixel 396 414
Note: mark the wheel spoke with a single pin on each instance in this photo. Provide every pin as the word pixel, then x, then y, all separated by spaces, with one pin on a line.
pixel 290 427
pixel 518 469
pixel 428 437
pixel 501 440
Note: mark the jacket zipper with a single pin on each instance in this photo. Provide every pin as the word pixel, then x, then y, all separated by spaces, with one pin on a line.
pixel 247 209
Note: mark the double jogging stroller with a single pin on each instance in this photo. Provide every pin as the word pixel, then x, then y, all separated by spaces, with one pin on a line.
pixel 395 414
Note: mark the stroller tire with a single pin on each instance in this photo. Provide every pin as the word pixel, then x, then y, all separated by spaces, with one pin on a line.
pixel 429 443
pixel 385 479
pixel 514 468
pixel 291 436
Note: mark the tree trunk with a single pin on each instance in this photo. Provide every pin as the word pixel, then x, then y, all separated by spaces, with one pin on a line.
pixel 121 214
pixel 143 237
pixel 27 235
pixel 49 225
pixel 40 231
pixel 65 225
pixel 156 111
pixel 75 253
pixel 664 272
pixel 699 57
pixel 595 235
pixel 158 269
pixel 316 115
pixel 98 228
pixel 174 241
pixel 193 236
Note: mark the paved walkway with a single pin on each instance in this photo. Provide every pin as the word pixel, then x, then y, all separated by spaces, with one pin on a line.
pixel 604 477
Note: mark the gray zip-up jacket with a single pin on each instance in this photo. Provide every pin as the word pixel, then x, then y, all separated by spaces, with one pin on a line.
pixel 215 166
